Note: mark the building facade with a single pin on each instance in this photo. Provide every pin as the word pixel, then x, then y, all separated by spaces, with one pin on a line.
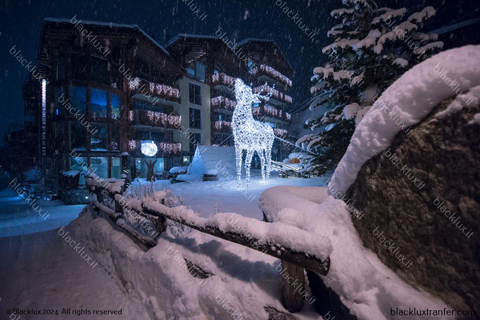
pixel 107 88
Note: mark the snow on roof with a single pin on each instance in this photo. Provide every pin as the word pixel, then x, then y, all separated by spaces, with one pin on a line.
pixel 188 35
pixel 410 98
pixel 244 41
pixel 110 24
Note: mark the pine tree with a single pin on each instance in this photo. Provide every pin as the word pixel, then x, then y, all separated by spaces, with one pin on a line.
pixel 372 48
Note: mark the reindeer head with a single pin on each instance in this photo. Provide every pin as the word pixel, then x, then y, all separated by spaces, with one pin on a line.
pixel 245 95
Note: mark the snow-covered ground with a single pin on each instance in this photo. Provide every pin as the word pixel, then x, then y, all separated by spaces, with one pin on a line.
pixel 17 217
pixel 40 270
pixel 210 197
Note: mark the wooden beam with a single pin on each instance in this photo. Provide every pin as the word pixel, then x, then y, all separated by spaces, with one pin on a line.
pixel 301 259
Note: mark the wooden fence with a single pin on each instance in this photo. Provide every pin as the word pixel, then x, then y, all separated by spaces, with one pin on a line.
pixel 293 262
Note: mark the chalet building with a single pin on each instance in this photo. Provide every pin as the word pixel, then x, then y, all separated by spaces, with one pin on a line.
pixel 106 88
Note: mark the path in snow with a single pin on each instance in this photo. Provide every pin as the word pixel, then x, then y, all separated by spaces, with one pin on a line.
pixel 41 271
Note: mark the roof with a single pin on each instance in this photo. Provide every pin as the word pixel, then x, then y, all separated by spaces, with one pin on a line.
pixel 244 41
pixel 187 35
pixel 247 40
pixel 110 24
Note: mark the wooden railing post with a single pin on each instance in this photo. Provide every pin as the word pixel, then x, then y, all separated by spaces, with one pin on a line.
pixel 293 300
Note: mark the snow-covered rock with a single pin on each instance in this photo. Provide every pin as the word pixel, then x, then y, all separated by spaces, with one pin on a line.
pixel 409 99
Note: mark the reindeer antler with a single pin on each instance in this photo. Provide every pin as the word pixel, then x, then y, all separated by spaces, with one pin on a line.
pixel 269 94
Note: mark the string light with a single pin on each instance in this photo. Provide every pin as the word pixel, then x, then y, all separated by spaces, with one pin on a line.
pixel 275 93
pixel 272 72
pixel 155 88
pixel 223 79
pixel 249 134
pixel 225 102
pixel 166 147
pixel 223 125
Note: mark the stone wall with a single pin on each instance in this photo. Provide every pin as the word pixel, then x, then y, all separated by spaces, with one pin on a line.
pixel 420 202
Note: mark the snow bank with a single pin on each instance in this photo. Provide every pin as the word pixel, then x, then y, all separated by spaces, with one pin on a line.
pixel 366 286
pixel 241 280
pixel 407 102
pixel 276 234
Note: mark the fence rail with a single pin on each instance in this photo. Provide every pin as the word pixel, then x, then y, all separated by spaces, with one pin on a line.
pixel 158 214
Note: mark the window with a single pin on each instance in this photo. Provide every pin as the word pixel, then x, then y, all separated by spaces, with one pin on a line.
pixel 116 169
pixel 145 105
pixel 79 66
pixel 200 71
pixel 195 139
pixel 195 118
pixel 78 97
pixel 80 164
pixel 115 103
pixel 60 69
pixel 98 103
pixel 78 136
pixel 98 140
pixel 99 165
pixel 99 70
pixel 59 135
pixel 60 101
pixel 115 138
pixel 195 94
pixel 150 135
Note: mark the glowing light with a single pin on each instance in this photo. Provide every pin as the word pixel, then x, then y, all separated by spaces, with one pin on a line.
pixel 154 88
pixel 149 148
pixel 249 134
pixel 44 117
pixel 225 103
pixel 222 78
pixel 280 132
pixel 275 93
pixel 272 72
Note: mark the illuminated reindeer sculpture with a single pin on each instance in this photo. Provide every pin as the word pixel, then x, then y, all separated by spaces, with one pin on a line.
pixel 249 134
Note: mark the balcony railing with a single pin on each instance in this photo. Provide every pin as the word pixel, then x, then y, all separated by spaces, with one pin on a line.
pixel 221 79
pixel 154 90
pixel 277 95
pixel 154 119
pixel 223 103
pixel 164 148
pixel 280 132
pixel 272 73
pixel 272 112
pixel 222 126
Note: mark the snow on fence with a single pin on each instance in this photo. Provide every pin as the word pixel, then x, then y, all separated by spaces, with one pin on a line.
pixel 297 248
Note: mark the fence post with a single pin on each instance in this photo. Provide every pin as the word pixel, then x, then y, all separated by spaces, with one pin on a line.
pixel 292 298
pixel 293 301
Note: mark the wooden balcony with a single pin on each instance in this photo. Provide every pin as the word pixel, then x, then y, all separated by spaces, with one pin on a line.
pixel 155 119
pixel 267 71
pixel 164 148
pixel 271 113
pixel 277 98
pixel 154 91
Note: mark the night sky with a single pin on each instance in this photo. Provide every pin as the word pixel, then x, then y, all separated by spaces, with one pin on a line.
pixel 21 21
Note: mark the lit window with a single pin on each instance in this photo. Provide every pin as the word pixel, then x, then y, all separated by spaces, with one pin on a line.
pixel 98 103
pixel 200 71
pixel 115 103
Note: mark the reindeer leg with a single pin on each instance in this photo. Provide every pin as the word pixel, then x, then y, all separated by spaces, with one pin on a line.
pixel 268 155
pixel 261 154
pixel 238 155
pixel 248 164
